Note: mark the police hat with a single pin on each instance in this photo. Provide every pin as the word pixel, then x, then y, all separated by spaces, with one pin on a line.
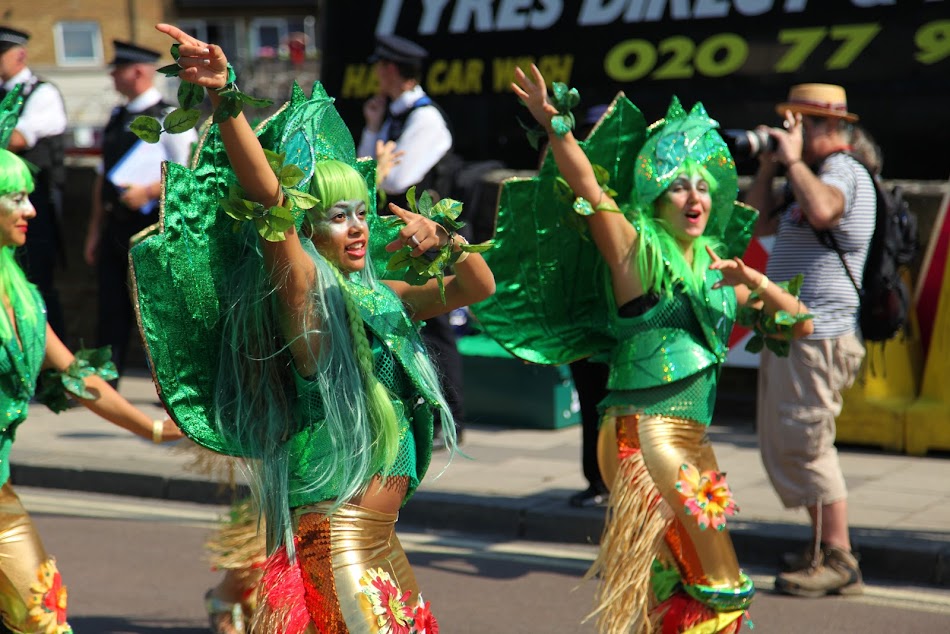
pixel 127 53
pixel 393 48
pixel 11 37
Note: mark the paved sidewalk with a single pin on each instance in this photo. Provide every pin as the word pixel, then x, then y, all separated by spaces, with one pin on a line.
pixel 517 482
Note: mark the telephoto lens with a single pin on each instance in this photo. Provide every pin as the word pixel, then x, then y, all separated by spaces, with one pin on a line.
pixel 748 144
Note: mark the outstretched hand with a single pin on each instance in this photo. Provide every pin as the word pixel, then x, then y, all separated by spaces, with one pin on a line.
pixel 534 93
pixel 420 233
pixel 202 64
pixel 734 271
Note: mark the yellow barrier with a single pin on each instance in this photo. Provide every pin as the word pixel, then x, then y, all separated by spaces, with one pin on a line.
pixel 874 408
pixel 928 418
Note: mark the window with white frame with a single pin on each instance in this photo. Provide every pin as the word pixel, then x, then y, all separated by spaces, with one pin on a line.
pixel 270 37
pixel 78 43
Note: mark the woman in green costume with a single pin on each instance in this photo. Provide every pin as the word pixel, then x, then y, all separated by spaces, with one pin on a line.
pixel 665 560
pixel 34 362
pixel 321 376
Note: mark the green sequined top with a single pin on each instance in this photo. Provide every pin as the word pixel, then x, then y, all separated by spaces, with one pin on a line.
pixel 667 360
pixel 20 364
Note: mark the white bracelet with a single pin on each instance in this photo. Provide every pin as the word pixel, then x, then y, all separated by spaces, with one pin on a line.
pixel 459 239
pixel 764 284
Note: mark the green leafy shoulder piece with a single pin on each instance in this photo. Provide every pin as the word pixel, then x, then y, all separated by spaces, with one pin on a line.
pixel 418 271
pixel 53 386
pixel 551 293
pixel 772 331
pixel 181 274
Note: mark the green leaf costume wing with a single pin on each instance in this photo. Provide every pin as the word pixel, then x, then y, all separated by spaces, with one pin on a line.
pixel 10 109
pixel 178 270
pixel 552 302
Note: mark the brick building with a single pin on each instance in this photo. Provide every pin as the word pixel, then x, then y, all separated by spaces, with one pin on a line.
pixel 270 44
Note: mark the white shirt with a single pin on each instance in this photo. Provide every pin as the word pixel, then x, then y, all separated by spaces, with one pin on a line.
pixel 44 113
pixel 177 147
pixel 425 139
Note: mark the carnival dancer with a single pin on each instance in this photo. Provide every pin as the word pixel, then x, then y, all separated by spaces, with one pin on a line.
pixel 35 363
pixel 275 342
pixel 658 215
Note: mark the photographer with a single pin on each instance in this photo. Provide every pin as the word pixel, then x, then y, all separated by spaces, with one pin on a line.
pixel 827 191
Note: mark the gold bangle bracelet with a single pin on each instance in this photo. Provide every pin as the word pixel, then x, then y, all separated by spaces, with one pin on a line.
pixel 158 431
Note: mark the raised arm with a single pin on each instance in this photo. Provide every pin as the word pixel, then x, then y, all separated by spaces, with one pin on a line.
pixel 108 403
pixel 614 236
pixel 291 269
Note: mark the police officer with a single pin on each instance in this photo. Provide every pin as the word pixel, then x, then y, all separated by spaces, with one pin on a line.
pixel 38 138
pixel 404 113
pixel 122 205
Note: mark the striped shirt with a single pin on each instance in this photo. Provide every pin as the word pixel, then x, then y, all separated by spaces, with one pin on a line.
pixel 827 290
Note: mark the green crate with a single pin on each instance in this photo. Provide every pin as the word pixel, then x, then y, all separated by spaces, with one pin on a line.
pixel 505 391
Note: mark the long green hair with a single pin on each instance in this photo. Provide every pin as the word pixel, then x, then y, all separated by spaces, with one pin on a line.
pixel 15 177
pixel 658 256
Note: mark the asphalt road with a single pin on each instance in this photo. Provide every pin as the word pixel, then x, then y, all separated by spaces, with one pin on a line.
pixel 136 566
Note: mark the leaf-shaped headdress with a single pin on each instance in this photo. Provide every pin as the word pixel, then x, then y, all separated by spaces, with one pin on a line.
pixel 10 109
pixel 680 137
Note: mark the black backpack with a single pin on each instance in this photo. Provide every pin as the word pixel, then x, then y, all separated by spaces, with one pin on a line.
pixel 885 298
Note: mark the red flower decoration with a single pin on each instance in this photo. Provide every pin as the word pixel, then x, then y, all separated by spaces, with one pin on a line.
pixel 425 622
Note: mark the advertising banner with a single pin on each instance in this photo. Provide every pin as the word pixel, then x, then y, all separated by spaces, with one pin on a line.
pixel 736 56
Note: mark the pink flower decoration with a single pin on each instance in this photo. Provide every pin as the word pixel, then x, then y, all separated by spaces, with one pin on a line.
pixel 388 602
pixel 706 496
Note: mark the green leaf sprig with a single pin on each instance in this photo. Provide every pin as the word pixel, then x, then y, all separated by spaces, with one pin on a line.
pixel 186 116
pixel 53 385
pixel 421 269
pixel 564 99
pixel 772 331
pixel 273 222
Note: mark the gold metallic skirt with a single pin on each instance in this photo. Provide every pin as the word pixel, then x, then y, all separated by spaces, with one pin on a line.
pixel 32 594
pixel 356 578
pixel 660 470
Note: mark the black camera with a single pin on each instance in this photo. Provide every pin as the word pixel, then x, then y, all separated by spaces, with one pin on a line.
pixel 748 144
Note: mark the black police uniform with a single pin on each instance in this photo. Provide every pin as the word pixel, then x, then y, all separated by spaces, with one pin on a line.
pixel 120 223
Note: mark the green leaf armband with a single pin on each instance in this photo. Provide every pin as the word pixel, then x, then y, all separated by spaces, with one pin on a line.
pixel 54 385
pixel 771 331
pixel 433 263
pixel 564 99
pixel 271 223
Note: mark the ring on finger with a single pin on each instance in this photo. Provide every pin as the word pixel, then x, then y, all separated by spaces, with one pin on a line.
pixel 414 240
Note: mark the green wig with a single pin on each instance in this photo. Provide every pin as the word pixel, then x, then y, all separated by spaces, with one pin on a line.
pixel 15 177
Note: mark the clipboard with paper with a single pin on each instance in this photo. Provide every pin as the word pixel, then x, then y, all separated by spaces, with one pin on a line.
pixel 141 165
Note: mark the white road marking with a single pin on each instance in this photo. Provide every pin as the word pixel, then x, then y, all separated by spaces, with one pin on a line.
pixel 571 557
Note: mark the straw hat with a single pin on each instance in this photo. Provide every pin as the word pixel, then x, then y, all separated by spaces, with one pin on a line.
pixel 820 100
